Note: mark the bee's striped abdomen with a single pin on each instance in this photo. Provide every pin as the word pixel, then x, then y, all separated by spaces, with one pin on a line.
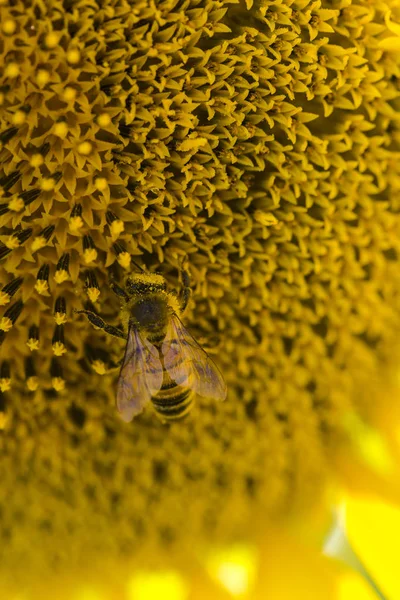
pixel 173 401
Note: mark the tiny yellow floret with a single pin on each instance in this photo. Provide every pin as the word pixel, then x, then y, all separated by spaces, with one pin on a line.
pixel 51 40
pixel 89 255
pixel 70 94
pixel 32 383
pixel 101 184
pixel 99 367
pixel 36 160
pixel 3 420
pixel 60 318
pixel 47 184
pixel 103 120
pixel 12 242
pixel 93 294
pixel 9 26
pixel 117 227
pixel 19 117
pixel 12 70
pixel 4 298
pixel 42 77
pixel 5 384
pixel 5 324
pixel 61 276
pixel 58 384
pixel 73 56
pixel 33 344
pixel 16 204
pixel 42 287
pixel 85 148
pixel 124 259
pixel 61 129
pixel 75 224
pixel 59 349
pixel 37 244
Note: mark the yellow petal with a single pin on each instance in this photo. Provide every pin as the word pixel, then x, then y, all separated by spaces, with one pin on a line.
pixel 373 529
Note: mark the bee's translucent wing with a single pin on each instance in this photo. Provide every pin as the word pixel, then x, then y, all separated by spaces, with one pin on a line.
pixel 188 364
pixel 140 377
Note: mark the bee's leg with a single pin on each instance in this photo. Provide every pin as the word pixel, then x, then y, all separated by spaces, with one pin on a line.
pixel 118 291
pixel 186 290
pixel 98 322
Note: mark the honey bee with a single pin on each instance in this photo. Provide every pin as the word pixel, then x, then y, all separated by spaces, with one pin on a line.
pixel 163 364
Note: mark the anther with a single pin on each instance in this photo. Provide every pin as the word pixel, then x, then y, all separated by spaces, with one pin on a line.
pixel 42 280
pixel 56 373
pixel 57 342
pixel 33 338
pixel 123 257
pixel 9 290
pixel 89 250
pixel 10 180
pixel 60 311
pixel 32 382
pixel 92 287
pixel 7 135
pixel 11 315
pixel 43 238
pixel 5 376
pixel 62 273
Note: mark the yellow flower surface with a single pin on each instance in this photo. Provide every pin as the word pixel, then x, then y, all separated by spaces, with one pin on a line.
pixel 256 142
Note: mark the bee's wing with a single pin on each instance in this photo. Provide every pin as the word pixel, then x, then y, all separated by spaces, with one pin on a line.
pixel 140 377
pixel 184 357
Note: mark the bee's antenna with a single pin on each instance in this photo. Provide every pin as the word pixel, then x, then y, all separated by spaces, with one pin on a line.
pixel 138 266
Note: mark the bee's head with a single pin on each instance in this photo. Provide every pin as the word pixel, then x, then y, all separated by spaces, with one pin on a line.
pixel 145 283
